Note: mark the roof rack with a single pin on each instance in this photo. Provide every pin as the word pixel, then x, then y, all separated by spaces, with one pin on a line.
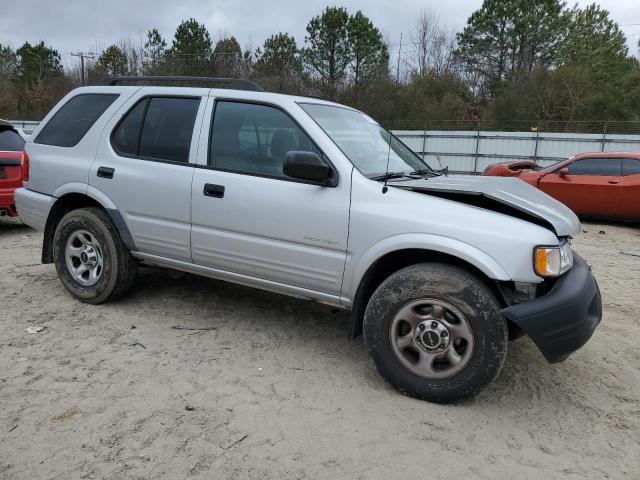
pixel 236 83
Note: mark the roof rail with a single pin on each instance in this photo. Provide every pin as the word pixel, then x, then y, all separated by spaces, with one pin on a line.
pixel 236 83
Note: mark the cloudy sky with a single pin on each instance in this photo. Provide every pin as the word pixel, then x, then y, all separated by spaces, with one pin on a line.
pixel 72 25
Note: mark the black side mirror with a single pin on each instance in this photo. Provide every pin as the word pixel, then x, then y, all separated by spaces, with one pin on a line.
pixel 309 167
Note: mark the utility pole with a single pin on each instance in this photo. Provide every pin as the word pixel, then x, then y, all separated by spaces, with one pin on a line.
pixel 399 56
pixel 82 56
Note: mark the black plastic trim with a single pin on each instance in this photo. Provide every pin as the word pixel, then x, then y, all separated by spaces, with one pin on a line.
pixel 121 226
pixel 212 190
pixel 564 319
pixel 9 162
pixel 106 172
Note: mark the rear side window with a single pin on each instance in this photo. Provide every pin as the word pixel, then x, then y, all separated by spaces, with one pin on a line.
pixel 630 166
pixel 608 167
pixel 10 140
pixel 158 128
pixel 71 123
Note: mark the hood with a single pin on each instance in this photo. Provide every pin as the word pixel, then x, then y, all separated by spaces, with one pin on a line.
pixel 510 196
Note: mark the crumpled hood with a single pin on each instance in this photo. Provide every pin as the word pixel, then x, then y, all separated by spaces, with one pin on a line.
pixel 511 192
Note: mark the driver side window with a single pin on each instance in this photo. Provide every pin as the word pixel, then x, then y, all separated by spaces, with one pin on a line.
pixel 254 139
pixel 609 167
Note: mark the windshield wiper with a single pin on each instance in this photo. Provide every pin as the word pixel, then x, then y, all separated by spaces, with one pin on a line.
pixel 390 175
pixel 425 171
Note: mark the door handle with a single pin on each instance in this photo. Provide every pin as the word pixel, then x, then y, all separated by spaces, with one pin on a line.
pixel 212 190
pixel 614 182
pixel 106 172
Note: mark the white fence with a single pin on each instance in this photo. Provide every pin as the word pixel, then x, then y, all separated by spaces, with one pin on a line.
pixel 27 126
pixel 472 152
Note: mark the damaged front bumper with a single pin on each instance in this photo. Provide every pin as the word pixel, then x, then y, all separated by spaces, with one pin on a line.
pixel 564 319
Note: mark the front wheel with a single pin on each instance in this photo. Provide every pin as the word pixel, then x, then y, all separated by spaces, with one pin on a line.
pixel 435 332
pixel 92 262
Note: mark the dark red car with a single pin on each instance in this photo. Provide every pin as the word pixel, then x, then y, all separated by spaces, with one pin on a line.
pixel 603 185
pixel 13 168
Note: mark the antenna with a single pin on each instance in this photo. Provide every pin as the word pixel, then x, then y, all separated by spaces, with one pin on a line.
pixel 385 189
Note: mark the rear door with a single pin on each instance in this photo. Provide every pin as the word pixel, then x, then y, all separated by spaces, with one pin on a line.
pixel 145 167
pixel 629 206
pixel 592 186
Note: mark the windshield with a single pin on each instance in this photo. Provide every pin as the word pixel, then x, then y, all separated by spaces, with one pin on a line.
pixel 364 142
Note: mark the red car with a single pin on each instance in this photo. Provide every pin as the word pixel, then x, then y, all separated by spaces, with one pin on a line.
pixel 510 169
pixel 13 167
pixel 605 185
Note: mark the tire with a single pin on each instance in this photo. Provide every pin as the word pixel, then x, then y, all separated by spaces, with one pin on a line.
pixel 115 270
pixel 421 305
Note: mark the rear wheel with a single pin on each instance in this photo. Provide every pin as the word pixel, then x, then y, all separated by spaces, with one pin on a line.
pixel 92 262
pixel 435 332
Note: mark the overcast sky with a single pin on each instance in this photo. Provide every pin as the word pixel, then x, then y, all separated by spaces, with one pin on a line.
pixel 72 25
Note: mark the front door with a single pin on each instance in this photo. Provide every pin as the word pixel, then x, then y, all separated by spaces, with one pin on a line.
pixel 144 168
pixel 249 218
pixel 592 186
pixel 629 206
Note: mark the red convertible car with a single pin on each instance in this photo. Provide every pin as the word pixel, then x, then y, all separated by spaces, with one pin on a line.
pixel 13 167
pixel 605 185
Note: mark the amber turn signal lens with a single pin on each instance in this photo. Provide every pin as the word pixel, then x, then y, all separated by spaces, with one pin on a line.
pixel 541 261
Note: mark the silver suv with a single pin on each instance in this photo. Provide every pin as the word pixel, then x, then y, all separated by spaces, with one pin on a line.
pixel 312 199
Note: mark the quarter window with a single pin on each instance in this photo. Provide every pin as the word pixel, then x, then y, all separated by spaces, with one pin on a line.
pixel 74 119
pixel 254 139
pixel 609 167
pixel 630 166
pixel 126 137
pixel 158 128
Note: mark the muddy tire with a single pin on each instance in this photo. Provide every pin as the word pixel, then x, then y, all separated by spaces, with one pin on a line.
pixel 92 262
pixel 435 332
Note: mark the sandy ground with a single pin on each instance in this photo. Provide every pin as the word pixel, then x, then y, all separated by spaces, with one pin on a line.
pixel 276 391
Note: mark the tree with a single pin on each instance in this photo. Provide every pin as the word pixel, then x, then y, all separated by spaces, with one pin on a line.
pixel 369 53
pixel 133 51
pixel 38 79
pixel 190 52
pixel 279 65
pixel 112 61
pixel 227 58
pixel 8 64
pixel 505 40
pixel 153 52
pixel 328 54
pixel 594 40
pixel 37 63
pixel 435 100
pixel 433 44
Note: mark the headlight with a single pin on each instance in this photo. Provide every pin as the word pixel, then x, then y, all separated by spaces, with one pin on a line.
pixel 552 261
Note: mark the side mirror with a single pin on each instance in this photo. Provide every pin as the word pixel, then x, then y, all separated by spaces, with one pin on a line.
pixel 309 167
pixel 563 172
